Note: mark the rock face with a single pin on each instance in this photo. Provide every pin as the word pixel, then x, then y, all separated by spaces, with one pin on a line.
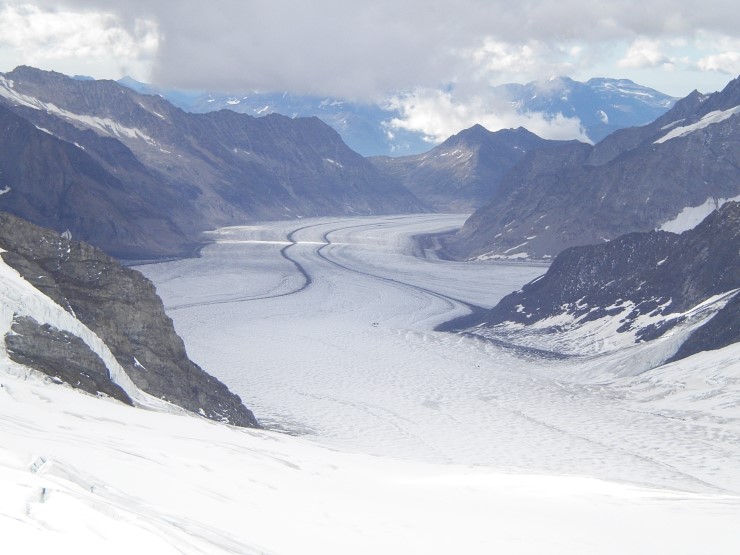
pixel 56 184
pixel 122 308
pixel 463 173
pixel 635 288
pixel 117 148
pixel 635 180
pixel 62 356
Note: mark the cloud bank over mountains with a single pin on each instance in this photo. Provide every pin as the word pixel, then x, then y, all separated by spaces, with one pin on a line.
pixel 435 60
pixel 439 114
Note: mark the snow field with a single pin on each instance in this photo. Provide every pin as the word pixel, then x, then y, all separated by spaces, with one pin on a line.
pixel 80 474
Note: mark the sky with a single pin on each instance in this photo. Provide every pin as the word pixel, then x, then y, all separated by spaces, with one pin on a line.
pixel 424 55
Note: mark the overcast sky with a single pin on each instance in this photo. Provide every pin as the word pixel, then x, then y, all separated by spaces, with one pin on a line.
pixel 441 54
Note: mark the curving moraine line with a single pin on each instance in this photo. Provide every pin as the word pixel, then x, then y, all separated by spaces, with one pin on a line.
pixel 308 279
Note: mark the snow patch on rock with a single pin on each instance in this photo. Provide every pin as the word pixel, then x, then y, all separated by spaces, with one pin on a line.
pixel 691 216
pixel 710 119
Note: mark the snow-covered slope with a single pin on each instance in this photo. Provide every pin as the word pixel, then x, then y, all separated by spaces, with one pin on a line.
pixel 712 118
pixel 82 475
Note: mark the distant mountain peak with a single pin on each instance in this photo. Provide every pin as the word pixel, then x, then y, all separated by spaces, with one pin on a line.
pixel 475 133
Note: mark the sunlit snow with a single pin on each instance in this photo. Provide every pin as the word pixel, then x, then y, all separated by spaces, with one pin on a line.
pixel 346 354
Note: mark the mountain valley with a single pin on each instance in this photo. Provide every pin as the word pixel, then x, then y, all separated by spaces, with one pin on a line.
pixel 234 334
pixel 130 159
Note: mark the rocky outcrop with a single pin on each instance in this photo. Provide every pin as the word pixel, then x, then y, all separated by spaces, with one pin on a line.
pixel 641 285
pixel 722 330
pixel 61 356
pixel 464 172
pixel 122 308
pixel 634 180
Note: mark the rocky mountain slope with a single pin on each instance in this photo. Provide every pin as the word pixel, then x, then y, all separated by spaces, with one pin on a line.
pixel 199 170
pixel 73 313
pixel 463 173
pixel 639 287
pixel 116 202
pixel 636 179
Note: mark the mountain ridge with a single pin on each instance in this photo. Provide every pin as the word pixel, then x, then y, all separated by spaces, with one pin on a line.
pixel 634 180
pixel 368 128
pixel 464 172
pixel 636 288
pixel 201 170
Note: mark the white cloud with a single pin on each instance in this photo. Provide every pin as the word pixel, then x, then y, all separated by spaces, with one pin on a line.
pixel 364 50
pixel 499 56
pixel 724 62
pixel 74 41
pixel 723 55
pixel 439 114
pixel 646 53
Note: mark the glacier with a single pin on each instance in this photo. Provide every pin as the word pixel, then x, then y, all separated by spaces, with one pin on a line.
pixel 399 438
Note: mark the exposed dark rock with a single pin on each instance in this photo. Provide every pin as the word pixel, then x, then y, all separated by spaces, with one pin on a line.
pixel 56 184
pixel 656 273
pixel 61 356
pixel 722 330
pixel 121 306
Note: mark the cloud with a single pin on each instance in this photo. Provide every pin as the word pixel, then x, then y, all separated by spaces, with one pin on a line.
pixel 363 50
pixel 725 56
pixel 46 37
pixel 439 114
pixel 645 53
pixel 725 62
